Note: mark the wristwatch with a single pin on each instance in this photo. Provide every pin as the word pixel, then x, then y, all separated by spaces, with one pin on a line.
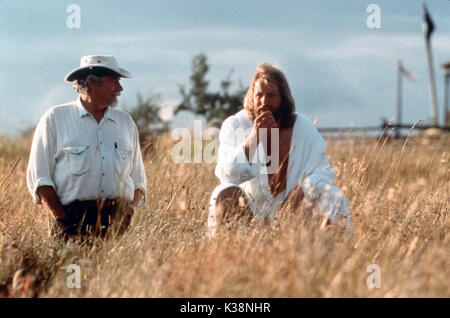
pixel 133 207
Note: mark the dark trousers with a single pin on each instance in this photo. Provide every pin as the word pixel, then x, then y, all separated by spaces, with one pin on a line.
pixel 93 217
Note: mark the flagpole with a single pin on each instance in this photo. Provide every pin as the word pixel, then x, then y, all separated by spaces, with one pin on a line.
pixel 434 110
pixel 446 67
pixel 446 112
pixel 399 98
pixel 401 70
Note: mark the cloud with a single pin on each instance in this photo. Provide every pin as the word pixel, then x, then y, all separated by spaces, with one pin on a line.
pixel 333 62
pixel 57 94
pixel 390 46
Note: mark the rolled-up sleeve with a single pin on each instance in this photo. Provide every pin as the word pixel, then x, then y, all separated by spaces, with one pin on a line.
pixel 138 171
pixel 41 164
pixel 233 166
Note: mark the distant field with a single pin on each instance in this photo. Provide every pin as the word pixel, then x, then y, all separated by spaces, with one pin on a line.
pixel 399 196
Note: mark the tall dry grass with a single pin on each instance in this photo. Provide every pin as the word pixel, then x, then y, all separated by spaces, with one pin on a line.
pixel 399 196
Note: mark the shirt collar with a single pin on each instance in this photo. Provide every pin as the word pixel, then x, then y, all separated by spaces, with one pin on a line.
pixel 109 113
pixel 81 109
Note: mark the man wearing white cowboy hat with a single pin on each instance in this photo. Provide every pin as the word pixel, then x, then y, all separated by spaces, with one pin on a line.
pixel 85 163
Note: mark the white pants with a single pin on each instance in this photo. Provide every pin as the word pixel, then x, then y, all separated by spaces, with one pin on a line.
pixel 331 202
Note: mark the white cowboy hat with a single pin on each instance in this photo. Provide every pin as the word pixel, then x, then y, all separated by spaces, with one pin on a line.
pixel 100 65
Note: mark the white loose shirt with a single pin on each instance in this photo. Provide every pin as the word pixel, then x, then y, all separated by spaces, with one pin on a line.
pixel 308 167
pixel 83 159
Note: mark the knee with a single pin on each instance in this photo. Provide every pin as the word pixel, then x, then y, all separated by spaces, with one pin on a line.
pixel 230 203
pixel 230 195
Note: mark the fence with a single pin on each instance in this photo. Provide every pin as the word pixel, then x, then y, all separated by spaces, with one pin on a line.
pixel 384 129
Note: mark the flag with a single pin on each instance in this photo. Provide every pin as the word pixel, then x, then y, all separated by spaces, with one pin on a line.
pixel 428 25
pixel 405 72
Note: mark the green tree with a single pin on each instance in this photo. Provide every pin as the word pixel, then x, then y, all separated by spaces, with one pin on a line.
pixel 214 106
pixel 146 116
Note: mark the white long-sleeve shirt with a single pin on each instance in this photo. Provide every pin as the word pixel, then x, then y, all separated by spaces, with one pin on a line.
pixel 83 159
pixel 308 166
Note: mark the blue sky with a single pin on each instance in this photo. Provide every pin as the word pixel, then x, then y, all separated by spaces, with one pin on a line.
pixel 339 70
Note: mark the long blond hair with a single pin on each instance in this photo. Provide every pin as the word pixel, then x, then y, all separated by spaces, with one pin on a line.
pixel 273 74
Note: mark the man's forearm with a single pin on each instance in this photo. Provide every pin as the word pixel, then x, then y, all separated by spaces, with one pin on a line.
pixel 137 197
pixel 253 140
pixel 250 146
pixel 51 202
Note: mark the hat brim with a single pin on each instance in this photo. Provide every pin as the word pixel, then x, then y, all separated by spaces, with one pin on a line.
pixel 98 70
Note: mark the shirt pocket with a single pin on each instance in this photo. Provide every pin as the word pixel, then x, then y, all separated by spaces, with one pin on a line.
pixel 122 161
pixel 79 159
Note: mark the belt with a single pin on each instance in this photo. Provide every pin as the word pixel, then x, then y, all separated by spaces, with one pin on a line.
pixel 99 203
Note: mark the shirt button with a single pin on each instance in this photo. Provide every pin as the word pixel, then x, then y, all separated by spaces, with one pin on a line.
pixel 101 143
pixel 103 157
pixel 103 174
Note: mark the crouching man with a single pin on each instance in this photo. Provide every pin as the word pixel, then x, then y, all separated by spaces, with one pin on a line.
pixel 271 157
pixel 85 163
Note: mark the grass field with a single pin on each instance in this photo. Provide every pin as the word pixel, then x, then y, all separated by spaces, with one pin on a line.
pixel 399 195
